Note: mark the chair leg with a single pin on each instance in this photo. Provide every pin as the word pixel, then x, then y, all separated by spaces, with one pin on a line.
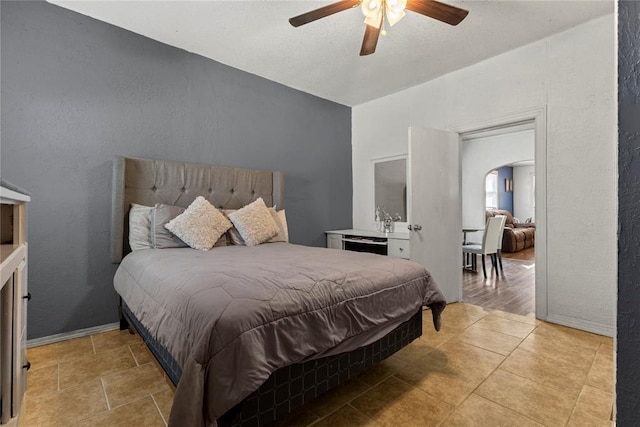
pixel 500 259
pixel 484 268
pixel 494 258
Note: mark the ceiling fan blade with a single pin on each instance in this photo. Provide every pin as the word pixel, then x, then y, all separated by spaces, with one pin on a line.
pixel 370 41
pixel 323 12
pixel 434 9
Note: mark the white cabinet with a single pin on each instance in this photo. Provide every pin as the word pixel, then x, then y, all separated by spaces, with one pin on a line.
pixel 334 241
pixel 391 244
pixel 13 302
pixel 399 248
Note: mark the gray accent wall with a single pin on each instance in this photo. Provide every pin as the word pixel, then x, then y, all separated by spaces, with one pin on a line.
pixel 628 339
pixel 76 91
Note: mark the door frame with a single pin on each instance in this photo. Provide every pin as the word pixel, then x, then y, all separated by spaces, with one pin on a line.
pixel 539 117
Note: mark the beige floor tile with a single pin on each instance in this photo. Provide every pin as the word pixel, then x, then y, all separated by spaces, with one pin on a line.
pixel 451 378
pixel 461 316
pixel 568 377
pixel 435 338
pixel 347 416
pixel 414 351
pixel 164 400
pixel 141 353
pixel 594 403
pixel 489 340
pixel 381 371
pixel 541 403
pixel 458 308
pixel 505 326
pixel 558 349
pixel 569 335
pixel 395 403
pixel 43 380
pixel 337 397
pixel 65 407
pixel 530 319
pixel 113 339
pixel 141 413
pixel 477 411
pixel 51 354
pixel 601 373
pixel 298 418
pixel 95 366
pixel 581 421
pixel 449 384
pixel 458 353
pixel 132 384
pixel 607 345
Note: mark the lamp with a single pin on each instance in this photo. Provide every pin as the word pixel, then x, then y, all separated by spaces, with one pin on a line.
pixel 375 10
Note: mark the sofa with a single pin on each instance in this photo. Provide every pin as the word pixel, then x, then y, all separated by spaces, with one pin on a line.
pixel 517 236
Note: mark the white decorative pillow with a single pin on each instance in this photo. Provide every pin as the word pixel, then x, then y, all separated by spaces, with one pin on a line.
pixel 139 225
pixel 278 216
pixel 233 236
pixel 200 226
pixel 283 231
pixel 283 224
pixel 254 223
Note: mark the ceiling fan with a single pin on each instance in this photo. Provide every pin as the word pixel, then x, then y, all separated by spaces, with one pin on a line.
pixel 375 12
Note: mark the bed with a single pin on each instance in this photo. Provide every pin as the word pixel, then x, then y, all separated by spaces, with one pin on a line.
pixel 250 333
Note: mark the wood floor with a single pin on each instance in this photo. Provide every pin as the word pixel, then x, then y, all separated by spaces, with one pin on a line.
pixel 512 291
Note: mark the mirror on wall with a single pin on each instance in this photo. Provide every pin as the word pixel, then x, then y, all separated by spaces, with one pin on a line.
pixel 390 182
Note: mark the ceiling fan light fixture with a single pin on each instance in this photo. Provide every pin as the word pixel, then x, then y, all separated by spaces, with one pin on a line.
pixel 393 17
pixel 374 20
pixel 371 8
pixel 375 12
pixel 394 10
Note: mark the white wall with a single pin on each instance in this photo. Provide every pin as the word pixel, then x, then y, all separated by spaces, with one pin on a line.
pixel 482 155
pixel 523 206
pixel 572 74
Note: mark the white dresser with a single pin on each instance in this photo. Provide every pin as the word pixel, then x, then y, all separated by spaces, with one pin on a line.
pixel 13 302
pixel 391 244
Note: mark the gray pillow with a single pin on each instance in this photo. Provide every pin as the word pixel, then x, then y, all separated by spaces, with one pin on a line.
pixel 160 237
pixel 139 226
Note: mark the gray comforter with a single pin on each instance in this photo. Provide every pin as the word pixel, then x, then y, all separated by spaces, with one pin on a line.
pixel 233 315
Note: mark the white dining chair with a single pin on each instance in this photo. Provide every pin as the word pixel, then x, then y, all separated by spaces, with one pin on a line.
pixel 499 253
pixel 489 244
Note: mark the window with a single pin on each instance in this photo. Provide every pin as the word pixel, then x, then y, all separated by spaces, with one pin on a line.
pixel 491 188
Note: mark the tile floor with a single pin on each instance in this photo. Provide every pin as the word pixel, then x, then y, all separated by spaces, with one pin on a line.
pixel 484 368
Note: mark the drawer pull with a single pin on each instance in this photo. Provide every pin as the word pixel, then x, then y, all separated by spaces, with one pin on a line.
pixel 27 366
pixel 28 296
pixel 401 249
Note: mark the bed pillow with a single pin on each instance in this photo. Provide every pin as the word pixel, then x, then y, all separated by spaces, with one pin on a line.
pixel 139 227
pixel 254 223
pixel 283 231
pixel 160 237
pixel 283 225
pixel 200 226
pixel 234 237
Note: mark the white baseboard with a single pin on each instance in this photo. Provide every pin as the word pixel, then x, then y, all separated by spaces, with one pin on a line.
pixel 584 325
pixel 73 334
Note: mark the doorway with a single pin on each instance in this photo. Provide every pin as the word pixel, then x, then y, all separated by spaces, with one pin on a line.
pixel 498 166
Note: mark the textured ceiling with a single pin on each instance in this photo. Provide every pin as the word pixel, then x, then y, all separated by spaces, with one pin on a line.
pixel 322 58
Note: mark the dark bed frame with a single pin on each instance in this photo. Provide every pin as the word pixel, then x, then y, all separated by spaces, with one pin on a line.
pixel 290 387
pixel 148 182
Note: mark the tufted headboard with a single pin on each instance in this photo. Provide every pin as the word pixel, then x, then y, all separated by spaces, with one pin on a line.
pixel 148 182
